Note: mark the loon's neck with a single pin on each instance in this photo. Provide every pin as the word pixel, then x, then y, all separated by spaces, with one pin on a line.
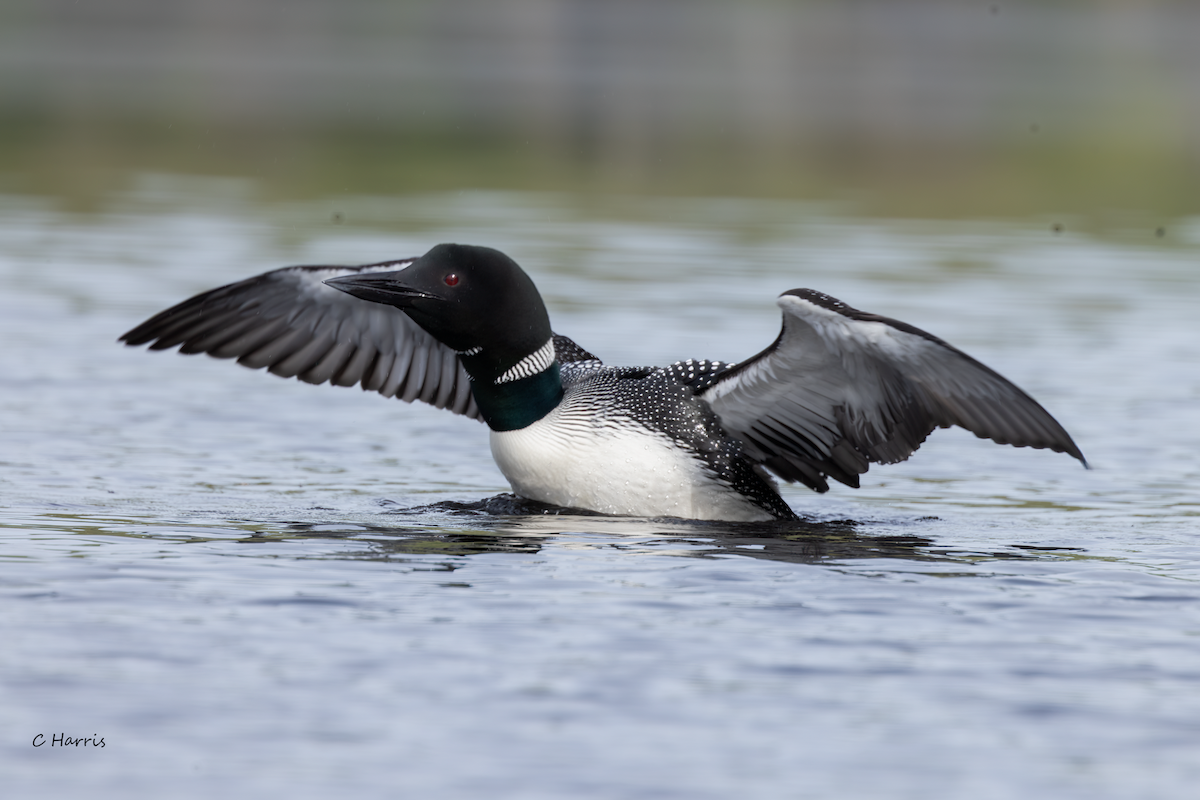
pixel 514 395
pixel 520 403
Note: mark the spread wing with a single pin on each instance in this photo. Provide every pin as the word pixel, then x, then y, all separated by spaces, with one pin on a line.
pixel 291 323
pixel 841 388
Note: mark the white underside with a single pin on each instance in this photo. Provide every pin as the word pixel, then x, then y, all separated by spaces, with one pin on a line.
pixel 614 470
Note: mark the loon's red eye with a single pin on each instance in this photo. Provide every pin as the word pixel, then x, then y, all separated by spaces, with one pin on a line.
pixel 451 279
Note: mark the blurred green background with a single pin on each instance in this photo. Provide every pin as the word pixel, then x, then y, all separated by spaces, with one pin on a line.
pixel 943 108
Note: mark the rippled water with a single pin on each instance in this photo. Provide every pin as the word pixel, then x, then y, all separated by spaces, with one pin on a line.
pixel 248 585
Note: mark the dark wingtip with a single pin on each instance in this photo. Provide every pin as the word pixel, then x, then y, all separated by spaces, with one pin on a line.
pixel 1073 451
pixel 153 328
pixel 1075 454
pixel 135 337
pixel 131 338
pixel 1070 448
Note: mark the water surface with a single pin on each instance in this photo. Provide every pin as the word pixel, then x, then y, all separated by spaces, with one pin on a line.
pixel 248 585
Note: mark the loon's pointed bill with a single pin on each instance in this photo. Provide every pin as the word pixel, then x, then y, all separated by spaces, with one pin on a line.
pixel 464 328
pixel 379 287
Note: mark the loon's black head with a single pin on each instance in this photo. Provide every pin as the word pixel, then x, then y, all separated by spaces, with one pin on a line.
pixel 475 300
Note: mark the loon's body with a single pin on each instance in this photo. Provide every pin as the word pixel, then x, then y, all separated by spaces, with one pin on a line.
pixel 634 441
pixel 464 328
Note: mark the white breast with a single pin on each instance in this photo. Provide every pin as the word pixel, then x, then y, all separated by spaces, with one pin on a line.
pixel 613 469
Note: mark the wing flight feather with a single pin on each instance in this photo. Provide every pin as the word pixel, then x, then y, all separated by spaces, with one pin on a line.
pixel 841 389
pixel 290 323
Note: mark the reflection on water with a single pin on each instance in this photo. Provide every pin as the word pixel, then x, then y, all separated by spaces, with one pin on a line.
pixel 795 542
pixel 818 542
pixel 508 524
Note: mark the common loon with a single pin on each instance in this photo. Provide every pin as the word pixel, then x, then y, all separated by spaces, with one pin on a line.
pixel 464 328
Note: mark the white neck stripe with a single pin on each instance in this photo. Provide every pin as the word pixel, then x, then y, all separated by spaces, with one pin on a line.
pixel 531 364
